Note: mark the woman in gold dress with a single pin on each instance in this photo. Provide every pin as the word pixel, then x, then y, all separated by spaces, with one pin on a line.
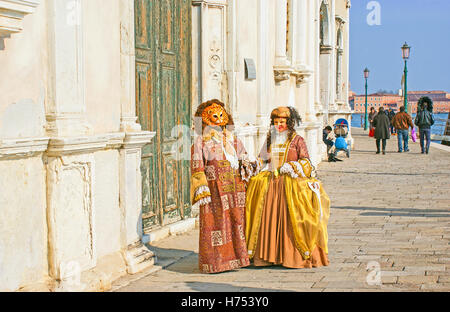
pixel 287 209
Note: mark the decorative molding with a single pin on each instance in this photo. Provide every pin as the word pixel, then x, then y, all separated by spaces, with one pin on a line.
pixel 137 139
pixel 18 148
pixel 71 216
pixel 84 144
pixel 282 73
pixel 340 19
pixel 325 49
pixel 12 13
pixel 348 4
pixel 63 146
pixel 89 144
pixel 302 74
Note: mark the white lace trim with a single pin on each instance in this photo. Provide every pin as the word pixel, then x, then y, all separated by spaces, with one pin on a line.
pixel 201 189
pixel 234 162
pixel 315 187
pixel 287 169
pixel 203 201
pixel 280 138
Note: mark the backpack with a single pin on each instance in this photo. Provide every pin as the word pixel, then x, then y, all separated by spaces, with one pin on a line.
pixel 340 143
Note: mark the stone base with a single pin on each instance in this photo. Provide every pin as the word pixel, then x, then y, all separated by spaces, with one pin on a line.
pixel 172 229
pixel 98 279
pixel 138 258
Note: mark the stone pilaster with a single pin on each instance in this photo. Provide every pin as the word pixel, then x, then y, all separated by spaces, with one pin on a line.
pixel 127 68
pixel 65 105
pixel 136 255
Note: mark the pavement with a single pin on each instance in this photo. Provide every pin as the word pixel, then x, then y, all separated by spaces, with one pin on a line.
pixel 389 230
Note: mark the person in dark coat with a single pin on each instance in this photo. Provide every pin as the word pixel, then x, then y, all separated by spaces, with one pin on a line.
pixel 424 120
pixel 372 115
pixel 382 131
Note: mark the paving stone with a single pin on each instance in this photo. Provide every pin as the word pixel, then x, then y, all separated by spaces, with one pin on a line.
pixel 417 279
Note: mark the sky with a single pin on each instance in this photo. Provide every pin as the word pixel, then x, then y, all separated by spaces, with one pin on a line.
pixel 423 24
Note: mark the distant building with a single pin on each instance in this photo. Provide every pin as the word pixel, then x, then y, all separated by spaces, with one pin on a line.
pixel 441 101
pixel 376 100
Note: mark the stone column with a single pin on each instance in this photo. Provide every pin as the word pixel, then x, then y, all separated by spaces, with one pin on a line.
pixel 302 71
pixel 262 72
pixel 212 47
pixel 282 68
pixel 65 105
pixel 314 58
pixel 127 68
pixel 280 36
pixel 301 42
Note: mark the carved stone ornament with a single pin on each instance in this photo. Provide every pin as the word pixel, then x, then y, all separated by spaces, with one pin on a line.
pixel 281 74
pixel 301 75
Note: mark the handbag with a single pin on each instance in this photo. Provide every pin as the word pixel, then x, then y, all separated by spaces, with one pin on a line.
pixel 372 132
pixel 413 135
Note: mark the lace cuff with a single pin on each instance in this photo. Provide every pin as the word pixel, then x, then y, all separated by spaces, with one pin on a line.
pixel 249 169
pixel 297 169
pixel 202 194
pixel 288 169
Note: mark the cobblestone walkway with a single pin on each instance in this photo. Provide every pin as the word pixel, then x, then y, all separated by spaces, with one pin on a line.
pixel 390 222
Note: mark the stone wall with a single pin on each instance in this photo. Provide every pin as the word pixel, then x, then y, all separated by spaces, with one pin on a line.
pixel 70 148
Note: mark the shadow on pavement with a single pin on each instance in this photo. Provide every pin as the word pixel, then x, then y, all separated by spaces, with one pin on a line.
pixel 399 212
pixel 222 287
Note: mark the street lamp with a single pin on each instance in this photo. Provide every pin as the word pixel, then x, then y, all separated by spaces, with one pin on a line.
pixel 405 55
pixel 366 118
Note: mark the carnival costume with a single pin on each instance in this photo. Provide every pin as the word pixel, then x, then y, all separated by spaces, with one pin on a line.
pixel 220 169
pixel 287 209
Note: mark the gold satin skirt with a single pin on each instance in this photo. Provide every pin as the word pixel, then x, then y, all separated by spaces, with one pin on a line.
pixel 286 221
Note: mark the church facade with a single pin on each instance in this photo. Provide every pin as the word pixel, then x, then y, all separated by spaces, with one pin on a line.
pixel 96 102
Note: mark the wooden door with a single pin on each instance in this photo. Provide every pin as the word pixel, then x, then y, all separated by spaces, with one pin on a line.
pixel 163 78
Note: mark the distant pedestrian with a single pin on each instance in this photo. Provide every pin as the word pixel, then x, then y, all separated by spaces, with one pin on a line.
pixel 391 115
pixel 382 133
pixel 402 121
pixel 372 115
pixel 424 120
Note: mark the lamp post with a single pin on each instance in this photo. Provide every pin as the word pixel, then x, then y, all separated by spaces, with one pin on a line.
pixel 405 55
pixel 366 117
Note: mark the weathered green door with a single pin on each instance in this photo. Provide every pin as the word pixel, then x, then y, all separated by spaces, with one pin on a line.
pixel 163 96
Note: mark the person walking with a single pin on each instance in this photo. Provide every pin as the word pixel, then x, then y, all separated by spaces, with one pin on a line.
pixel 424 120
pixel 372 115
pixel 401 122
pixel 391 115
pixel 382 133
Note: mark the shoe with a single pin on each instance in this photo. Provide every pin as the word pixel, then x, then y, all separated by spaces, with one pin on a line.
pixel 401 151
pixel 337 159
pixel 378 152
pixel 407 150
pixel 384 153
